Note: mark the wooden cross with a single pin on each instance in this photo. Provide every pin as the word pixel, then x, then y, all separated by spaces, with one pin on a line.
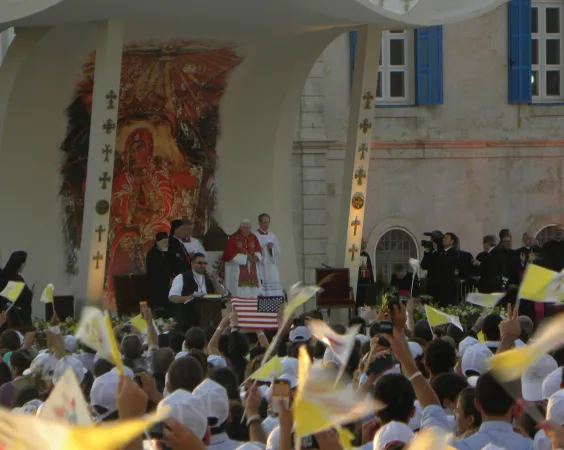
pixel 101 230
pixel 359 175
pixel 368 97
pixel 355 223
pixel 352 251
pixel 110 126
pixel 365 125
pixel 105 179
pixel 98 257
pixel 107 151
pixel 362 149
pixel 111 97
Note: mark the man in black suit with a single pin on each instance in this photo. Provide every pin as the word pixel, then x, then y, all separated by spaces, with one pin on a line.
pixel 449 269
pixel 528 248
pixel 178 258
pixel 490 267
pixel 190 286
pixel 553 251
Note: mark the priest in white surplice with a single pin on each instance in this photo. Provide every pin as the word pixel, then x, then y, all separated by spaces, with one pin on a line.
pixel 241 256
pixel 270 257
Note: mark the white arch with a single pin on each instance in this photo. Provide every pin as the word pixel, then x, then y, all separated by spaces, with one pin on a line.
pixel 388 230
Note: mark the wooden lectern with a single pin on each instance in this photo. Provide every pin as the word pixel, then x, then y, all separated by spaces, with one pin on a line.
pixel 337 291
pixel 207 312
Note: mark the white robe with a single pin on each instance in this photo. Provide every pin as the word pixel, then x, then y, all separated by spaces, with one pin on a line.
pixel 194 246
pixel 232 278
pixel 269 265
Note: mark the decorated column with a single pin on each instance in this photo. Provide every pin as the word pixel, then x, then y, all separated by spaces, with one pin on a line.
pixel 101 153
pixel 357 157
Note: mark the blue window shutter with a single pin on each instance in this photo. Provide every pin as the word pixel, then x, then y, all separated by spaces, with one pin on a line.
pixel 352 42
pixel 429 66
pixel 519 40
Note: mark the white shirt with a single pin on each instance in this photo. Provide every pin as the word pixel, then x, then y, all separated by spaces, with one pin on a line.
pixel 194 246
pixel 178 284
pixel 222 442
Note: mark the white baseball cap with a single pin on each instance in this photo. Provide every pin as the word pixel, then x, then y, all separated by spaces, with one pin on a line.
pixel 476 359
pixel 214 396
pixel 466 343
pixel 555 408
pixel 300 334
pixel 551 383
pixel 44 364
pixel 392 432
pixel 66 362
pixel 188 409
pixel 533 378
pixel 104 393
pixel 289 365
pixel 415 349
pixel 217 361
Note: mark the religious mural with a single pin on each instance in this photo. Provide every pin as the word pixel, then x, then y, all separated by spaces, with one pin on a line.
pixel 165 155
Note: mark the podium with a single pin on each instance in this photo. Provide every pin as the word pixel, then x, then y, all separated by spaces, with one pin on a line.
pixel 207 312
pixel 337 291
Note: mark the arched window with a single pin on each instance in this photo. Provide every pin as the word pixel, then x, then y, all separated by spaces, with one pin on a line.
pixel 395 246
pixel 548 233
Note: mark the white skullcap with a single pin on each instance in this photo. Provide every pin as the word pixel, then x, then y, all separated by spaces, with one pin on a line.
pixel 392 432
pixel 187 409
pixel 532 380
pixel 551 383
pixel 245 222
pixel 415 349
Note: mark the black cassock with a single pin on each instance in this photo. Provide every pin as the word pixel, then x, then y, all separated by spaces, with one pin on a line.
pixel 366 287
pixel 159 277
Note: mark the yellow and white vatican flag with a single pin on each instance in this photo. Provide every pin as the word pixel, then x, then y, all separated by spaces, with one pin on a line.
pixel 340 344
pixel 542 285
pixel 25 432
pixel 512 364
pixel 48 295
pixel 436 317
pixel 95 330
pixel 139 323
pixel 269 371
pixel 66 402
pixel 484 300
pixel 12 290
pixel 320 405
pixel 298 296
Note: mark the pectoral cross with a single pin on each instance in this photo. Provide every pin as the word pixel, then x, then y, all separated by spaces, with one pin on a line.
pixel 355 223
pixel 352 251
pixel 101 230
pixel 110 126
pixel 105 179
pixel 111 97
pixel 362 149
pixel 107 151
pixel 368 97
pixel 98 257
pixel 359 175
pixel 365 125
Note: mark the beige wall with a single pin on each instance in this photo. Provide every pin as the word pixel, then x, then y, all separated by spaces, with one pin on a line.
pixel 473 165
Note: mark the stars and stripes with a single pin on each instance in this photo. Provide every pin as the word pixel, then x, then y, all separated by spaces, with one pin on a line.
pixel 258 313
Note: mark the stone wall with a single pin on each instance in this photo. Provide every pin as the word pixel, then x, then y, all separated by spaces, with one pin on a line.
pixel 473 165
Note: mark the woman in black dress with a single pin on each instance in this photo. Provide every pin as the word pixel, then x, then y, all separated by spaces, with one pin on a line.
pixel 20 314
pixel 159 276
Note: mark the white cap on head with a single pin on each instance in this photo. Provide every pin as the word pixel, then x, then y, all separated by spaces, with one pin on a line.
pixel 289 365
pixel 71 343
pixel 466 343
pixel 300 334
pixel 473 381
pixel 415 349
pixel 362 338
pixel 104 393
pixel 66 362
pixel 392 432
pixel 245 222
pixel 252 446
pixel 551 383
pixel 555 408
pixel 476 359
pixel 214 396
pixel 43 364
pixel 533 378
pixel 188 409
pixel 217 361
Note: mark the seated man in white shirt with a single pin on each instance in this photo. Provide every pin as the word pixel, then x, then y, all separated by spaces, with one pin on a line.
pixel 194 284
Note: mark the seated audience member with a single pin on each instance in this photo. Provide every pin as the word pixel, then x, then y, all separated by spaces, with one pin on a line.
pixel 184 373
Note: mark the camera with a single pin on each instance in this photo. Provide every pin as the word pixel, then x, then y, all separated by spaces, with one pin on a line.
pixel 436 239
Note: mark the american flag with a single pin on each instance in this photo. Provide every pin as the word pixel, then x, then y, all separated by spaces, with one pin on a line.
pixel 258 313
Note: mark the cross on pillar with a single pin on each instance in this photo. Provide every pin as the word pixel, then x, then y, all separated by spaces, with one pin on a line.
pixel 100 230
pixel 98 257
pixel 368 97
pixel 359 175
pixel 362 150
pixel 365 125
pixel 110 126
pixel 111 97
pixel 353 250
pixel 355 224
pixel 107 151
pixel 105 179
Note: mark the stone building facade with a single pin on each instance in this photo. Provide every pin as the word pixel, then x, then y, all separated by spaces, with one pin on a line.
pixel 479 162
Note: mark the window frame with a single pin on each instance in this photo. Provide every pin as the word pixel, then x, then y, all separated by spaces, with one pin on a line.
pixel 541 68
pixel 390 264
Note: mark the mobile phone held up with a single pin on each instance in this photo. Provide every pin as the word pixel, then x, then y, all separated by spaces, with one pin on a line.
pixel 280 394
pixel 381 365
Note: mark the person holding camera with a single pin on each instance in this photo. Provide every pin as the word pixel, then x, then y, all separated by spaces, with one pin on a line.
pixel 430 262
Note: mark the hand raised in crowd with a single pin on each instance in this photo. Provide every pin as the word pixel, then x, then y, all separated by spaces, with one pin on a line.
pixel 29 339
pixel 253 401
pixel 178 437
pixel 131 400
pixel 399 316
pixel 147 315
pixel 225 322
pixel 510 328
pixel 150 387
pixel 55 319
pixel 234 319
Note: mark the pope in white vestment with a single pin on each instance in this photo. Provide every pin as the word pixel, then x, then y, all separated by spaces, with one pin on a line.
pixel 270 258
